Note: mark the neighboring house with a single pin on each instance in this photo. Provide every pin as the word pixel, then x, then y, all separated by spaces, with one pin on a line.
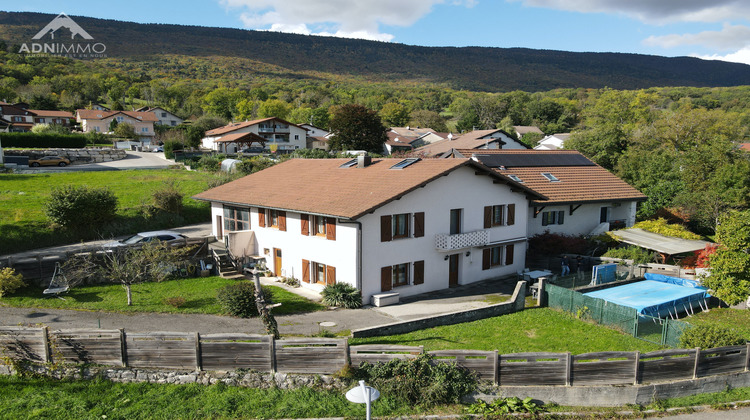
pixel 20 119
pixel 582 198
pixel 553 142
pixel 99 122
pixel 62 118
pixel 234 137
pixel 163 116
pixel 99 107
pixel 313 131
pixel 477 139
pixel 418 136
pixel 408 226
pixel 396 144
pixel 317 138
pixel 527 129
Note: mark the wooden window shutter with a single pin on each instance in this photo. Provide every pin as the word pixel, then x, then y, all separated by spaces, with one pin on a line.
pixel 282 220
pixel 487 217
pixel 330 228
pixel 330 274
pixel 509 254
pixel 560 217
pixel 385 229
pixel 385 279
pixel 418 272
pixel 486 258
pixel 511 214
pixel 306 271
pixel 305 220
pixel 419 224
pixel 261 217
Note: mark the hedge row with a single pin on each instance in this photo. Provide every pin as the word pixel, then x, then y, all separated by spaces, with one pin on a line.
pixel 34 140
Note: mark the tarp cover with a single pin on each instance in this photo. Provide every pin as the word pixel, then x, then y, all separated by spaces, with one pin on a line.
pixel 654 298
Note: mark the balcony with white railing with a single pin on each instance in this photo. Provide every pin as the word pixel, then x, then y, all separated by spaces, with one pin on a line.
pixel 446 242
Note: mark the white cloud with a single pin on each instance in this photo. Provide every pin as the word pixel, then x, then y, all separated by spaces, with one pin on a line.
pixel 654 11
pixel 343 18
pixel 730 37
pixel 741 56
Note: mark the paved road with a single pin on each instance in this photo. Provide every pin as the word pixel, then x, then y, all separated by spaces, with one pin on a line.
pixel 134 160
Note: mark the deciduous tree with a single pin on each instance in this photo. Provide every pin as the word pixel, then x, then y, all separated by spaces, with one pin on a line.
pixel 355 127
pixel 729 279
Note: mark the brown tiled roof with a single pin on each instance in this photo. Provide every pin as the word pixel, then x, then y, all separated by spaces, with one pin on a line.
pixel 321 186
pixel 470 140
pixel 578 184
pixel 56 114
pixel 411 131
pixel 95 114
pixel 745 146
pixel 240 137
pixel 236 126
pixel 524 129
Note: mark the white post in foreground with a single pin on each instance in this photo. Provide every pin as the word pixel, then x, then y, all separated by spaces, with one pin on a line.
pixel 363 394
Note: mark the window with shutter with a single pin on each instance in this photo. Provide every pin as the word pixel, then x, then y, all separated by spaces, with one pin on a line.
pixel 330 228
pixel 261 217
pixel 306 271
pixel 487 217
pixel 385 279
pixel 509 254
pixel 385 229
pixel 330 274
pixel 511 214
pixel 305 221
pixel 418 272
pixel 486 257
pixel 419 224
pixel 282 220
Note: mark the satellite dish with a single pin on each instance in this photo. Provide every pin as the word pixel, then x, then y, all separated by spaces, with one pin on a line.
pixel 357 394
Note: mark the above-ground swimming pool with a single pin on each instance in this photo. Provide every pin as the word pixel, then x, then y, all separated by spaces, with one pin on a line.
pixel 658 296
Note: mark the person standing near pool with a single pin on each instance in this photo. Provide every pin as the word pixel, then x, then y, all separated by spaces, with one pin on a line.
pixel 565 266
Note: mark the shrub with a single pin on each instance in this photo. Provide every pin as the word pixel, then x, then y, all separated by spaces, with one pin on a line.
pixel 343 295
pixel 635 253
pixel 168 198
pixel 81 208
pixel 661 227
pixel 557 243
pixel 170 147
pixel 9 281
pixel 175 301
pixel 43 140
pixel 290 281
pixel 504 406
pixel 710 336
pixel 420 381
pixel 239 299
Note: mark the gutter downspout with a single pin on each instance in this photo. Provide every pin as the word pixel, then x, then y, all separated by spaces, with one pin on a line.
pixel 359 249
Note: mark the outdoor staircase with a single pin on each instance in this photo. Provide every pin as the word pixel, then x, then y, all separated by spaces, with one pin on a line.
pixel 225 265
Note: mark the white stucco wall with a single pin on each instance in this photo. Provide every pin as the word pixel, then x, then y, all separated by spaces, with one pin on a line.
pixel 583 220
pixel 436 200
pixel 300 142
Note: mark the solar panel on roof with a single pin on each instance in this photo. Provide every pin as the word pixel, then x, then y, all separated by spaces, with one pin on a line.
pixel 404 163
pixel 533 159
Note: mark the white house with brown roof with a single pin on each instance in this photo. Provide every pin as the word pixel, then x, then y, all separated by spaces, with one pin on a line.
pixel 234 137
pixel 477 139
pixel 383 225
pixel 581 197
pixel 552 142
pixel 163 116
pixel 99 121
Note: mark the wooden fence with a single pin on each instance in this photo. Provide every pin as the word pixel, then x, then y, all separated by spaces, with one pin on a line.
pixel 230 351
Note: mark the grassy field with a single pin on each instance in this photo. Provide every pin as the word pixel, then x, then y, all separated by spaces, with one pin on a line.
pixel 531 330
pixel 22 398
pixel 199 294
pixel 24 226
pixel 736 319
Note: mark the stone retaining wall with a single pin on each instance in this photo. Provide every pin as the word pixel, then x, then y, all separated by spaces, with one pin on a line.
pixel 88 155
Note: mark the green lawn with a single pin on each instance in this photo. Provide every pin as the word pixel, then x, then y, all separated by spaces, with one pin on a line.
pixel 737 319
pixel 531 330
pixel 24 226
pixel 199 294
pixel 22 398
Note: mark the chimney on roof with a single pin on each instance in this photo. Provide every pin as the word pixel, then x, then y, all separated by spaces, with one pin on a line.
pixel 363 161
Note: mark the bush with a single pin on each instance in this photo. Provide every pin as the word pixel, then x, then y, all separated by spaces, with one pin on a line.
pixel 420 381
pixel 175 301
pixel 43 140
pixel 637 254
pixel 81 208
pixel 170 147
pixel 10 281
pixel 557 243
pixel 343 295
pixel 168 198
pixel 503 406
pixel 661 227
pixel 239 299
pixel 710 336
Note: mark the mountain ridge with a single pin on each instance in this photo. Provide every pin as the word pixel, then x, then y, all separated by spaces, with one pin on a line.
pixel 490 69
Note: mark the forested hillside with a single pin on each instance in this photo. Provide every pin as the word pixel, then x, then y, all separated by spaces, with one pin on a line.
pixel 473 68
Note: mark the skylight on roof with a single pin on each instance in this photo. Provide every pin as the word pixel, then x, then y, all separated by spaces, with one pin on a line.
pixel 348 164
pixel 404 163
pixel 515 178
pixel 550 177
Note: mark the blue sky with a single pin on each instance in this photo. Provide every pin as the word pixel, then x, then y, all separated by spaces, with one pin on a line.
pixel 716 29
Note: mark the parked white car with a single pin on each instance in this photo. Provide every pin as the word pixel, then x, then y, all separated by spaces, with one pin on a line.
pixel 144 237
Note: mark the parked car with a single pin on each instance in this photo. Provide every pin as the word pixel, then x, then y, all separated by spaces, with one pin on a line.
pixel 49 161
pixel 157 149
pixel 144 237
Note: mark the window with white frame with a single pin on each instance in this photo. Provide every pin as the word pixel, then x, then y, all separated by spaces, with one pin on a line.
pixel 236 218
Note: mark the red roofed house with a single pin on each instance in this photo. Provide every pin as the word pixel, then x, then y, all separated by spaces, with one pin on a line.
pixel 99 121
pixel 62 118
pixel 383 225
pixel 234 137
pixel 581 197
pixel 477 139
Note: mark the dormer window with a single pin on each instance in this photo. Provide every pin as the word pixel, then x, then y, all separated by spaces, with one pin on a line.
pixel 550 177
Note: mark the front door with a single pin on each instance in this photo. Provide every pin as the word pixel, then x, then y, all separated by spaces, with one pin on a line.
pixel 453 270
pixel 277 262
pixel 604 215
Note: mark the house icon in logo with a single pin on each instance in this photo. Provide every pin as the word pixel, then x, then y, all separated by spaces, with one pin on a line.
pixel 62 21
